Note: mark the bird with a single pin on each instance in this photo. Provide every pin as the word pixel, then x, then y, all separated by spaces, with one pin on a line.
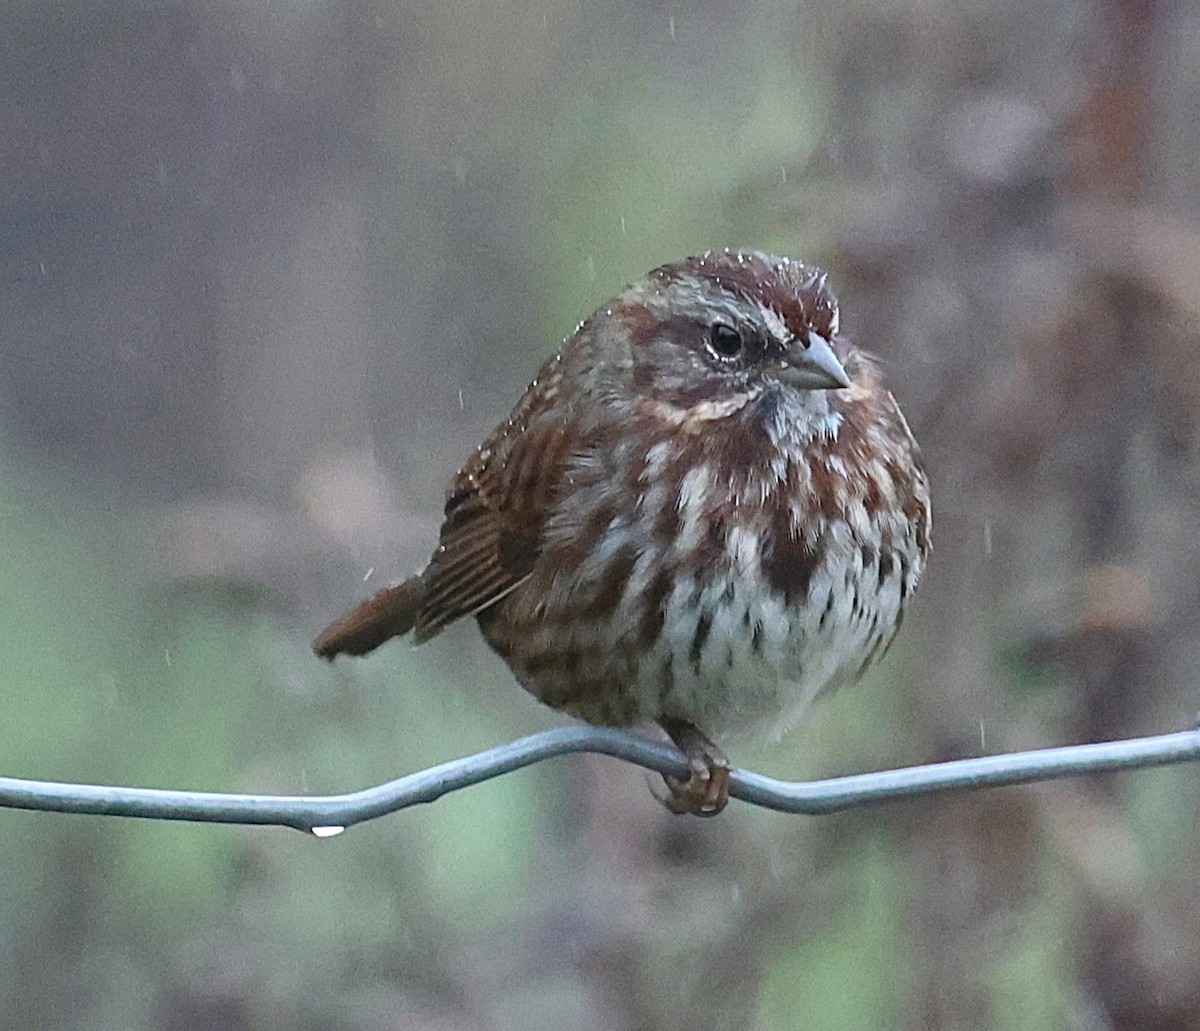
pixel 704 512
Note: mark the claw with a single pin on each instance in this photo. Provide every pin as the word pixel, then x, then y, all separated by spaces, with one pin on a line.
pixel 706 789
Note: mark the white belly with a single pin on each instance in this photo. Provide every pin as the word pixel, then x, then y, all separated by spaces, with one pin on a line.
pixel 733 659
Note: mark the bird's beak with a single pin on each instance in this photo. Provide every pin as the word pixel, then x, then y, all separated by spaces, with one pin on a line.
pixel 810 364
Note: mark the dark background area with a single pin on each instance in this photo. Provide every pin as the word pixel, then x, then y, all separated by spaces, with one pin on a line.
pixel 268 272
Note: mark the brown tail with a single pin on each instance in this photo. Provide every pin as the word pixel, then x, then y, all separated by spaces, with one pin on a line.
pixel 391 613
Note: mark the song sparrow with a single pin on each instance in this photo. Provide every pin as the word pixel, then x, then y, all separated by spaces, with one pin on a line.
pixel 704 512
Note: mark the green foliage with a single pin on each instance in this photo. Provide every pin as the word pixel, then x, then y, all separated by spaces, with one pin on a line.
pixel 853 971
pixel 639 164
pixel 128 684
pixel 1027 979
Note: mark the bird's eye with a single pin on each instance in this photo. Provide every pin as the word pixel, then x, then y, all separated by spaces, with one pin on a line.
pixel 725 341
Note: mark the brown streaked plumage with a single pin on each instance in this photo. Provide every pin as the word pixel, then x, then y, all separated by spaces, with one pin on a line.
pixel 705 511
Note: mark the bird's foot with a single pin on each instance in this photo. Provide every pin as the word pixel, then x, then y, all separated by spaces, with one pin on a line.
pixel 705 790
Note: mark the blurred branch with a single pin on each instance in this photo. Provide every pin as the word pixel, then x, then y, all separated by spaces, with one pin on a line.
pixel 326 815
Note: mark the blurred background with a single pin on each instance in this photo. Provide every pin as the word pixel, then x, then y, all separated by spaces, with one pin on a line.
pixel 268 272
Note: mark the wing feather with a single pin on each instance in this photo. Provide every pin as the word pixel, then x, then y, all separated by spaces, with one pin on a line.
pixel 496 513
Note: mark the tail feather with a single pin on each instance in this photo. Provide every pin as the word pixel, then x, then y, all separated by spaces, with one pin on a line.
pixel 391 613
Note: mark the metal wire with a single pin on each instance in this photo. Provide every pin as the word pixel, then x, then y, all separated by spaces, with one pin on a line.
pixel 327 815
